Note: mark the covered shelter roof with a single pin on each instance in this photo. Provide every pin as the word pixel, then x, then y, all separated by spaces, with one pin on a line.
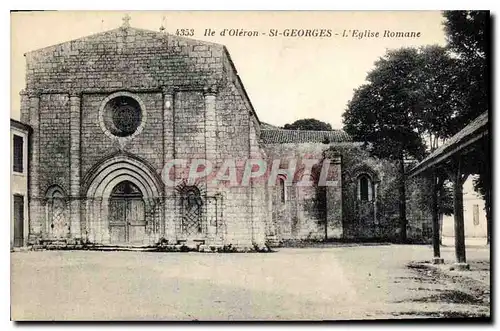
pixel 462 142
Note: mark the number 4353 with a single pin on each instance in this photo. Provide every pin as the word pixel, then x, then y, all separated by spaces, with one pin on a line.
pixel 185 32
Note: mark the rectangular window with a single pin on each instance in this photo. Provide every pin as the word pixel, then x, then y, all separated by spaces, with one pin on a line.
pixel 282 190
pixel 18 154
pixel 475 214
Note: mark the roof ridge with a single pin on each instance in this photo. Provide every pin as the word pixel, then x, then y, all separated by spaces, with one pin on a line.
pixel 304 136
pixel 281 129
pixel 67 41
pixel 93 35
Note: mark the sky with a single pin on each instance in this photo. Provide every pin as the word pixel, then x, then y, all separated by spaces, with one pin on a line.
pixel 287 78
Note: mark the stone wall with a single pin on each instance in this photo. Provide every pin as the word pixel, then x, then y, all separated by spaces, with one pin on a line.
pixel 54 141
pixel 124 59
pixel 383 222
pixel 306 210
pixel 418 208
pixel 303 215
pixel 96 145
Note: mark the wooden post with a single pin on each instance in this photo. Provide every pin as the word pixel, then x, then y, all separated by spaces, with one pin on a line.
pixel 435 219
pixel 403 223
pixel 458 211
pixel 488 217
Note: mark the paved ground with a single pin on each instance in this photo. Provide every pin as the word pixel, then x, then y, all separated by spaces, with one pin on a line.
pixel 330 283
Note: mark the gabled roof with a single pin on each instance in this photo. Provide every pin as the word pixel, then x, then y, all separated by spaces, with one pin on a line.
pixel 303 136
pixel 128 30
pixel 475 130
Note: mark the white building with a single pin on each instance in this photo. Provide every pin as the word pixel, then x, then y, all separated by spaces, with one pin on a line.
pixel 474 218
pixel 19 137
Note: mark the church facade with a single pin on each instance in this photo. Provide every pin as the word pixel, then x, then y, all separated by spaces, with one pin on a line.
pixel 110 110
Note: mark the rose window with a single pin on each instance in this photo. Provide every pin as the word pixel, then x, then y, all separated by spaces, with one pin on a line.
pixel 122 116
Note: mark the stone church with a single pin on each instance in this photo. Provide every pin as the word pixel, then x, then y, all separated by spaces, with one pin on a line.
pixel 108 111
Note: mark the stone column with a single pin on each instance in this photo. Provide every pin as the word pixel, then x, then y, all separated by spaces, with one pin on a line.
pixel 167 227
pixel 74 183
pixel 25 106
pixel 210 126
pixel 210 155
pixel 334 228
pixel 36 215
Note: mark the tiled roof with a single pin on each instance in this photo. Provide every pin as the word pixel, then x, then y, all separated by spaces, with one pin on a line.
pixel 463 137
pixel 267 126
pixel 303 136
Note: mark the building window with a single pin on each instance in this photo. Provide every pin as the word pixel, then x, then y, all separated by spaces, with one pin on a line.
pixel 282 189
pixel 18 220
pixel 365 191
pixel 18 154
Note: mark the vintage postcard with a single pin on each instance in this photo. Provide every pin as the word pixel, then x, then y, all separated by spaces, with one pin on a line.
pixel 250 165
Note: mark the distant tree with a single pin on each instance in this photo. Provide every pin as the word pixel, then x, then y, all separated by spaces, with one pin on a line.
pixel 436 100
pixel 308 124
pixel 468 36
pixel 446 200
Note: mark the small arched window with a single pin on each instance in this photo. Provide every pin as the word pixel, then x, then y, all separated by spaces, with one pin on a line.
pixel 282 189
pixel 365 192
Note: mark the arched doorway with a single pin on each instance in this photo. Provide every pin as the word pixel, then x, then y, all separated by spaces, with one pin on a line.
pixel 127 223
pixel 134 187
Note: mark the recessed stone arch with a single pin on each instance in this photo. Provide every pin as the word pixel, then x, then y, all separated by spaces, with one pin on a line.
pixel 57 213
pixel 114 165
pixel 55 189
pixel 100 184
pixel 364 169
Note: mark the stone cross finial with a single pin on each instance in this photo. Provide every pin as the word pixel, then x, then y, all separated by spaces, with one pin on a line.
pixel 162 27
pixel 126 21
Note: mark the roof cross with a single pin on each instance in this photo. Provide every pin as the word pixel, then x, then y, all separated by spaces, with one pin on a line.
pixel 162 27
pixel 126 21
